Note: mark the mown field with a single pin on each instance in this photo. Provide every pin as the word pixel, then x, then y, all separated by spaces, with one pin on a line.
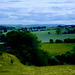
pixel 57 48
pixel 16 68
pixel 45 37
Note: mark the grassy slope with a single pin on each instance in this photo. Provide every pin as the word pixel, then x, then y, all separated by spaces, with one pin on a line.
pixel 7 68
pixel 45 37
pixel 58 49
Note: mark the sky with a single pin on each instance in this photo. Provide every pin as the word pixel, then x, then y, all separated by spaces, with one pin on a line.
pixel 37 12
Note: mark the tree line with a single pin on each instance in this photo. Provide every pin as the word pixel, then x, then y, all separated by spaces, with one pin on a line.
pixel 68 40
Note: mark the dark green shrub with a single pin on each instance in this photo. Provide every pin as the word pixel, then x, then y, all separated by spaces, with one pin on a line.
pixel 51 40
pixel 58 30
pixel 40 58
pixel 60 58
pixel 58 41
pixel 49 33
pixel 54 61
pixel 0 52
pixel 69 40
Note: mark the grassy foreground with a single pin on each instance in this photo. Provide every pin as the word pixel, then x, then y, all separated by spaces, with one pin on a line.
pixel 58 48
pixel 16 68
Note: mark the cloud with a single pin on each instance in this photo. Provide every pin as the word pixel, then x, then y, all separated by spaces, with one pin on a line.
pixel 14 1
pixel 37 11
pixel 2 15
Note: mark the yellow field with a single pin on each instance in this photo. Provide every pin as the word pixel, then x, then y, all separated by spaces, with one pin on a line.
pixel 16 68
pixel 58 49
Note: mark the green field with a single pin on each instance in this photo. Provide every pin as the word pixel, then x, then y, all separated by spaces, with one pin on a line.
pixel 58 49
pixel 7 68
pixel 45 37
pixel 7 32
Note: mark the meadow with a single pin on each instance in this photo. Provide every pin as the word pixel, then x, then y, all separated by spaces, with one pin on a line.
pixel 45 37
pixel 57 48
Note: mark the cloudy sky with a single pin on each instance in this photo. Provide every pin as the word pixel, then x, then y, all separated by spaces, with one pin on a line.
pixel 37 12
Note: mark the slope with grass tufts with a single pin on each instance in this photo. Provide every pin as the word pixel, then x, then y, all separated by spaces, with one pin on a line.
pixel 10 65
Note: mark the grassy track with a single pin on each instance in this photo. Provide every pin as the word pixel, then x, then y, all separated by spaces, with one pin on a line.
pixel 58 49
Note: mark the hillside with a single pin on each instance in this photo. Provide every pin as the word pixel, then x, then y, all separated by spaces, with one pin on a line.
pixel 10 65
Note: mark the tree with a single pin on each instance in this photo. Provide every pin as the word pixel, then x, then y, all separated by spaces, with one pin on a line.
pixel 58 30
pixel 26 47
pixel 5 29
pixel 58 41
pixel 49 33
pixel 51 40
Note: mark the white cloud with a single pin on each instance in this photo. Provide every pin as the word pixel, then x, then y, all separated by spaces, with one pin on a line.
pixel 13 17
pixel 38 10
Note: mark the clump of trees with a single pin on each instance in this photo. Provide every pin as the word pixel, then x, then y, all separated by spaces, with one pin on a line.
pixel 26 47
pixel 58 30
pixel 58 41
pixel 67 58
pixel 2 37
pixel 0 52
pixel 69 31
pixel 68 40
pixel 51 41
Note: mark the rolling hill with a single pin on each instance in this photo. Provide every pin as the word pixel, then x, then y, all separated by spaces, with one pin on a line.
pixel 10 65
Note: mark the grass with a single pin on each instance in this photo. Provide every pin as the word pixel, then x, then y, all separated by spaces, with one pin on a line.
pixel 6 68
pixel 7 32
pixel 45 37
pixel 58 48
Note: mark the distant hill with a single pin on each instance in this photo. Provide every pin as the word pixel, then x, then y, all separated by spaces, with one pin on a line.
pixel 31 25
pixel 10 26
pixel 6 27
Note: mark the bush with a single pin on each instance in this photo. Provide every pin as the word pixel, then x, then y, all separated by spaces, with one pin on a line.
pixel 49 33
pixel 0 52
pixel 58 30
pixel 58 41
pixel 61 59
pixel 51 40
pixel 54 61
pixel 40 58
pixel 69 40
pixel 1 49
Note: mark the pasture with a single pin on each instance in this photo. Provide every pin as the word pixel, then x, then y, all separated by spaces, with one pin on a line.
pixel 45 37
pixel 57 48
